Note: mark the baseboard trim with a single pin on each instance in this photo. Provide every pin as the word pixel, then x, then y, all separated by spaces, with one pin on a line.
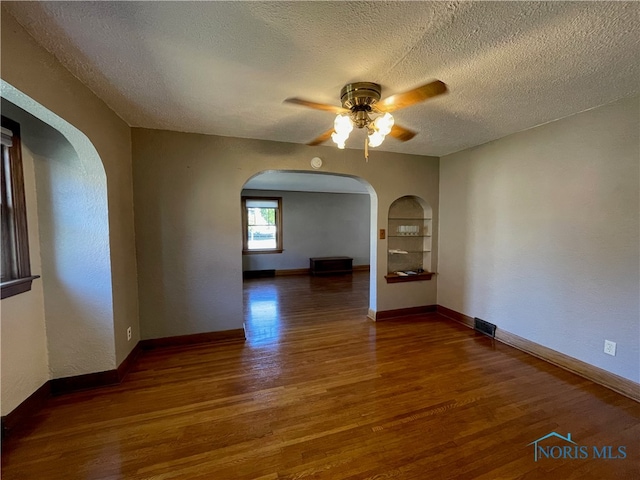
pixel 597 375
pixel 61 386
pixel 292 271
pixel 128 362
pixel 614 382
pixel 403 312
pixel 251 274
pixel 26 410
pixel 181 340
pixel 307 271
pixel 458 317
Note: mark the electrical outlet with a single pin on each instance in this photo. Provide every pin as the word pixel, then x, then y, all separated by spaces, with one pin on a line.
pixel 610 347
pixel 129 333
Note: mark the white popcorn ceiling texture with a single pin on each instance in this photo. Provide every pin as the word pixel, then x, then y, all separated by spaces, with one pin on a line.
pixel 224 68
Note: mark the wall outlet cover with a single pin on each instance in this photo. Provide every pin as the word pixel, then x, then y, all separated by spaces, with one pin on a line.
pixel 610 347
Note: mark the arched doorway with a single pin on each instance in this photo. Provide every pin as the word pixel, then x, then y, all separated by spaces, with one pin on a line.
pixel 324 214
pixel 73 226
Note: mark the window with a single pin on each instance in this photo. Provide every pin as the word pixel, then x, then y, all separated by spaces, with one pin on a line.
pixel 16 270
pixel 262 225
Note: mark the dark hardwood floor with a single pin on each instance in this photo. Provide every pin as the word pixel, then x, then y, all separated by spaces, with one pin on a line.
pixel 318 391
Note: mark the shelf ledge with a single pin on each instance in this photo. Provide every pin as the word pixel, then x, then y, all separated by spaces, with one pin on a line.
pixel 419 277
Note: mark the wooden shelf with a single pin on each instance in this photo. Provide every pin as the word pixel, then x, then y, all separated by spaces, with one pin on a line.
pixel 409 236
pixel 418 277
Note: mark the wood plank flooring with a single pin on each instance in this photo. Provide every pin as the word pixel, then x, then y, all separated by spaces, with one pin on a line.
pixel 318 391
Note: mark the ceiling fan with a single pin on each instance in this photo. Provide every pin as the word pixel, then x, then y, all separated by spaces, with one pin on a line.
pixel 360 101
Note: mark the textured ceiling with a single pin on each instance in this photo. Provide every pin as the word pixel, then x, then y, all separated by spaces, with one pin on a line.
pixel 225 68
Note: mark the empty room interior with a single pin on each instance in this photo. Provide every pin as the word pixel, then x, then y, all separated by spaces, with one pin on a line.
pixel 337 240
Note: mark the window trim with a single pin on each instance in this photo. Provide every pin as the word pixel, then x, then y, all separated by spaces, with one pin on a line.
pixel 17 260
pixel 245 229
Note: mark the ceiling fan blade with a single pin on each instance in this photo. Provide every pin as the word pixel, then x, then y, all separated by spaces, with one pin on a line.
pixel 317 106
pixel 411 97
pixel 322 138
pixel 401 133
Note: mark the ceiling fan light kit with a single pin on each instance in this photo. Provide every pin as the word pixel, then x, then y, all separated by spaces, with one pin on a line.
pixel 361 108
pixel 359 100
pixel 342 126
pixel 381 128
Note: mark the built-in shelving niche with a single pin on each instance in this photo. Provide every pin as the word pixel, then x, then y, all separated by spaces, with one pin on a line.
pixel 409 234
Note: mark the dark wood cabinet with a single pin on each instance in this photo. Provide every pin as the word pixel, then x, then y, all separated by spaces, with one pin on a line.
pixel 330 265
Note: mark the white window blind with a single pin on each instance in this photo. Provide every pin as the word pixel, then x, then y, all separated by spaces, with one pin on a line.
pixel 262 203
pixel 7 137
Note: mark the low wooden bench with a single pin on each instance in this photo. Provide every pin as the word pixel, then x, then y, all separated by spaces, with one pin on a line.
pixel 330 265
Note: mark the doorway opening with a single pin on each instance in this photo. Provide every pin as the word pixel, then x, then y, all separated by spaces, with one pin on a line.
pixel 320 215
pixel 68 314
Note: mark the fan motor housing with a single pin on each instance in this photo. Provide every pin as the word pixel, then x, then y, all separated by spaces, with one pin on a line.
pixel 360 96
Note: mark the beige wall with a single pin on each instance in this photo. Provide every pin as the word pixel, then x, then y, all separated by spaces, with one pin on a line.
pixel 188 223
pixel 539 235
pixel 24 356
pixel 37 74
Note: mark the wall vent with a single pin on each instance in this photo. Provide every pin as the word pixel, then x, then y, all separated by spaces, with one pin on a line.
pixel 258 273
pixel 485 327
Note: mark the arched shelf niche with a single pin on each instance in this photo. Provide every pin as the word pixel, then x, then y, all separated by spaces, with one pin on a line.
pixel 409 240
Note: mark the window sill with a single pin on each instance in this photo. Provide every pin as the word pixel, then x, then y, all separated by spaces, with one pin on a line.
pixel 17 286
pixel 252 252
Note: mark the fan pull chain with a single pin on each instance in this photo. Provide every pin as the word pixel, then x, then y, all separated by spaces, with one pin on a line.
pixel 366 148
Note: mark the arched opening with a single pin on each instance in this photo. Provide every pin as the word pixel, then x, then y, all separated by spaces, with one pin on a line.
pixel 324 215
pixel 72 221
